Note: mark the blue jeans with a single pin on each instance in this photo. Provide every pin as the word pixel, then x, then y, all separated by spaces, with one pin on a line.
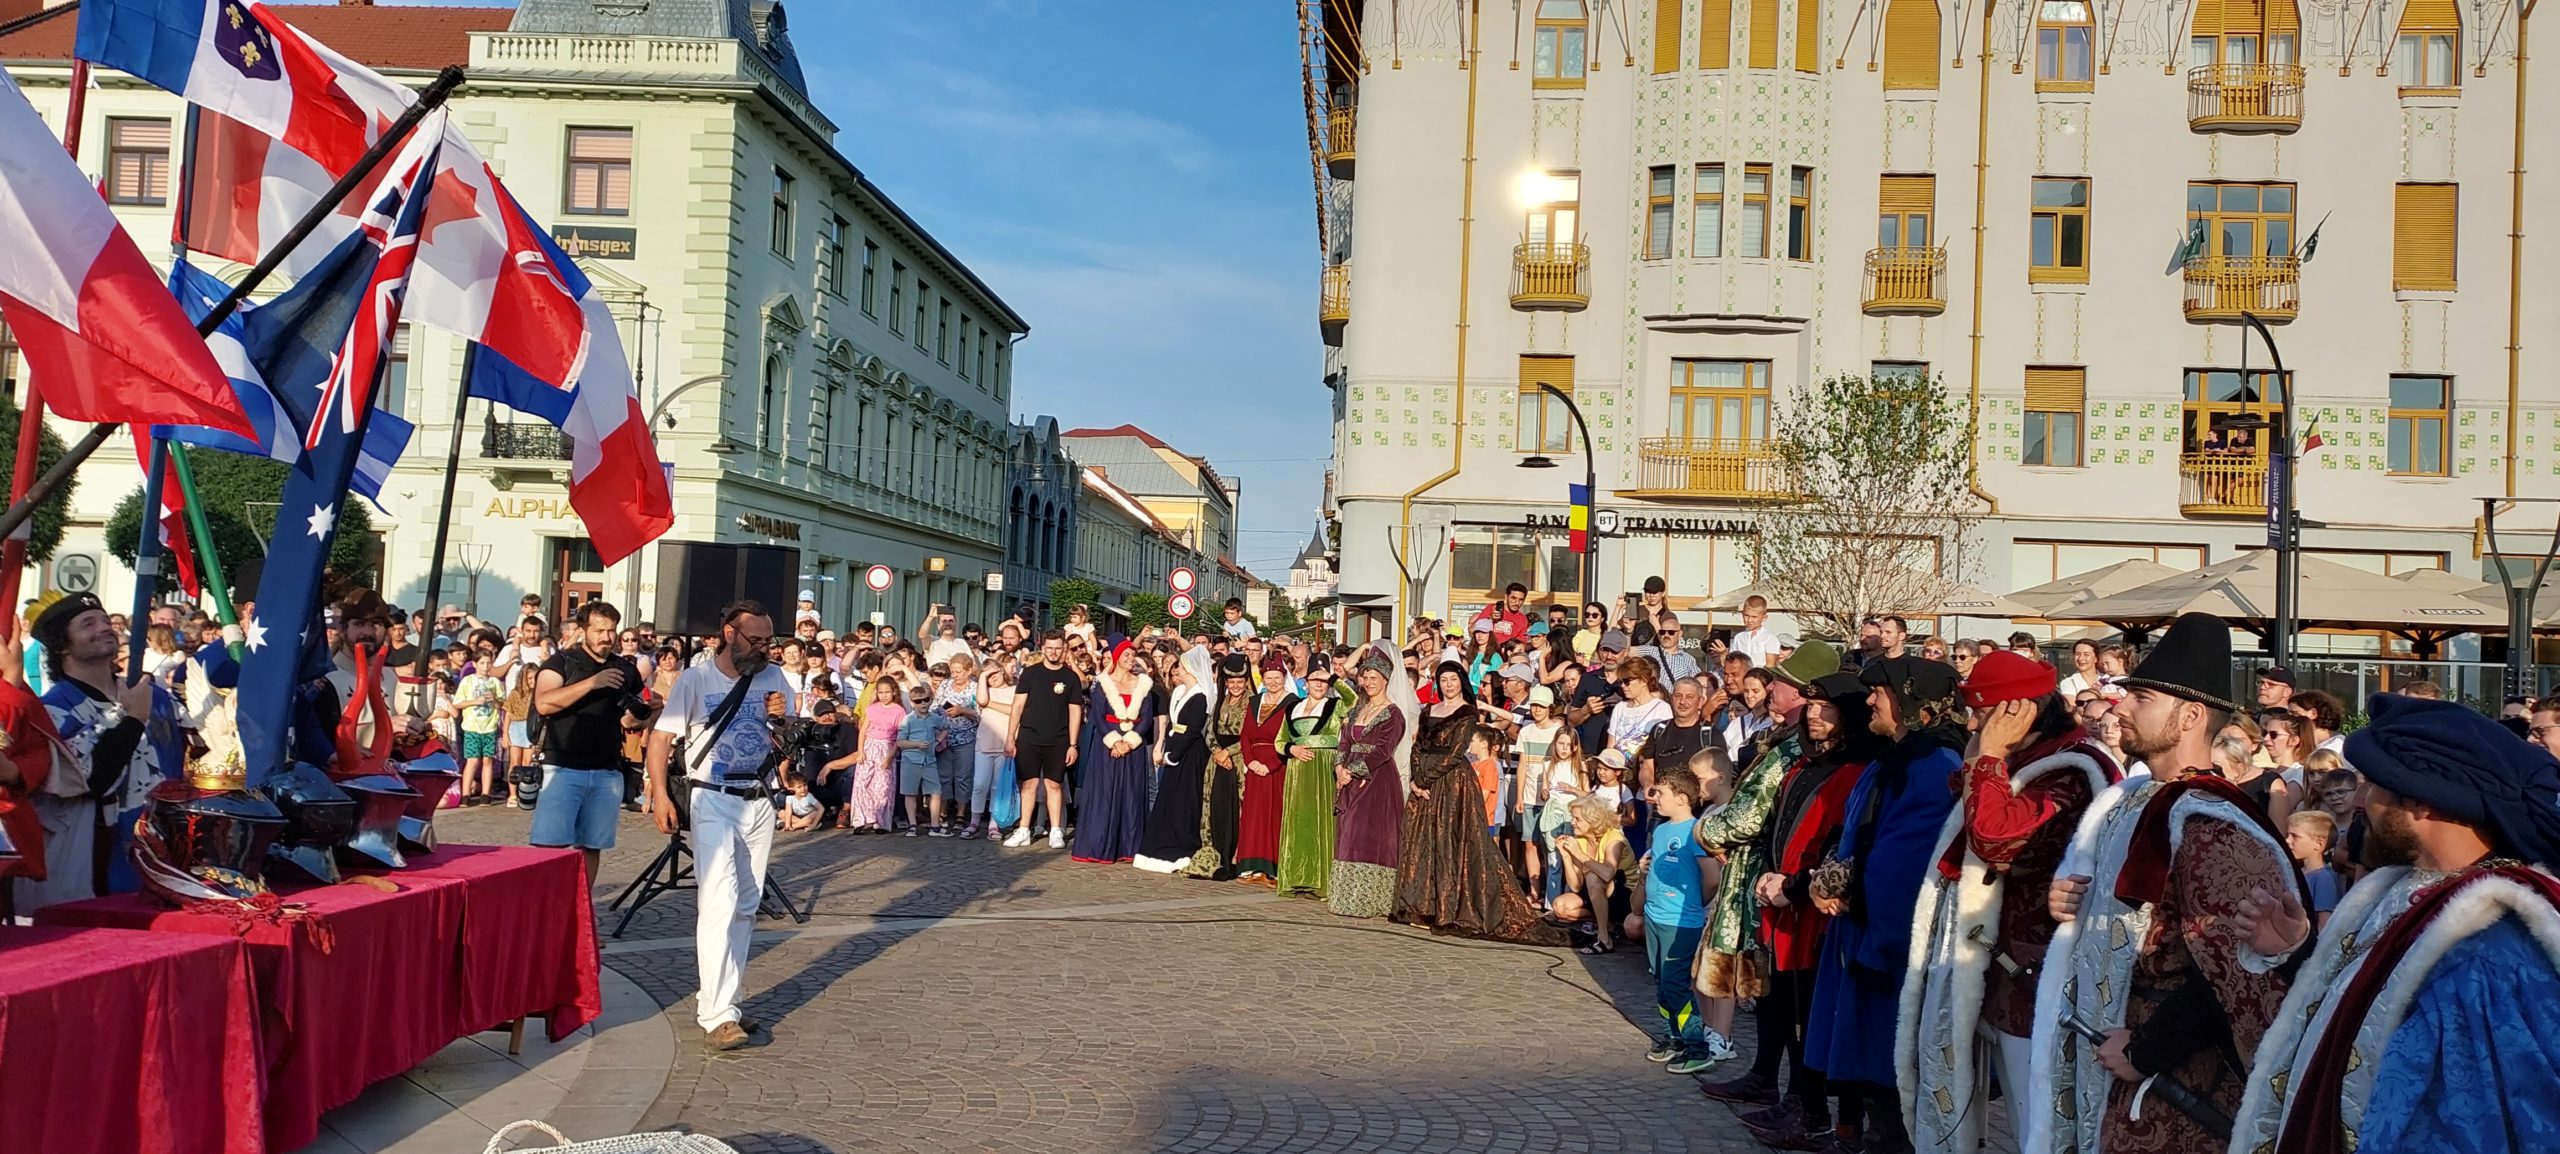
pixel 1671 951
pixel 577 807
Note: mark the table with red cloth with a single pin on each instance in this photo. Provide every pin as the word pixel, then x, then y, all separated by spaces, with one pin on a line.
pixel 116 1042
pixel 475 937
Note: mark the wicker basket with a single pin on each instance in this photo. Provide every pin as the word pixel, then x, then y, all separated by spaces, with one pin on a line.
pixel 667 1142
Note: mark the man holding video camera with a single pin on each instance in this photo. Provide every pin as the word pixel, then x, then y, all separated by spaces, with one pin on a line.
pixel 586 698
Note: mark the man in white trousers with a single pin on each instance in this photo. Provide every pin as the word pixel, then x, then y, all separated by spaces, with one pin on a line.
pixel 720 709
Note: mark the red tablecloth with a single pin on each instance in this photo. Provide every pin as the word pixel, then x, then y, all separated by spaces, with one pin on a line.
pixel 114 1042
pixel 462 946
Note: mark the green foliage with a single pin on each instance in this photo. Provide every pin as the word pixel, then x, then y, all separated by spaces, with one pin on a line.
pixel 228 484
pixel 45 535
pixel 1065 593
pixel 1147 609
pixel 1284 616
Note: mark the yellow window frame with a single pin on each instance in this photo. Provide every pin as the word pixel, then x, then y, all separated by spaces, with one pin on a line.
pixel 1548 39
pixel 1686 393
pixel 2059 214
pixel 1758 173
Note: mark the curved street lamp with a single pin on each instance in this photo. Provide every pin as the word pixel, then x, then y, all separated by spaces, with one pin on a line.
pixel 1590 485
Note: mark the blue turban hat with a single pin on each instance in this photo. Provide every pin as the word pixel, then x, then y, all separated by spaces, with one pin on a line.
pixel 2466 766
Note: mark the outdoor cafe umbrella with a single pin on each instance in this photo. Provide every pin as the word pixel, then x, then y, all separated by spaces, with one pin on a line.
pixel 2057 599
pixel 1953 599
pixel 2242 590
pixel 2440 582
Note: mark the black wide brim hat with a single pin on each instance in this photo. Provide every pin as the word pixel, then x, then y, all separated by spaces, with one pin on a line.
pixel 2192 660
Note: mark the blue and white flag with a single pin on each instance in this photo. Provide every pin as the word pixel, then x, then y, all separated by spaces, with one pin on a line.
pixel 279 432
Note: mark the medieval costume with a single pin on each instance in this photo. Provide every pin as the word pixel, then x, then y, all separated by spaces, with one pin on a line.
pixel 2427 1016
pixel 1736 966
pixel 1260 772
pixel 1981 924
pixel 1450 877
pixel 1369 777
pixel 120 759
pixel 1221 784
pixel 1306 807
pixel 43 787
pixel 1173 816
pixel 1111 809
pixel 2155 947
pixel 1895 812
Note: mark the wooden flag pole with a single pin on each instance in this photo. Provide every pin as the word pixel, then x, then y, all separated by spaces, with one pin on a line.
pixel 444 511
pixel 146 556
pixel 22 505
pixel 13 550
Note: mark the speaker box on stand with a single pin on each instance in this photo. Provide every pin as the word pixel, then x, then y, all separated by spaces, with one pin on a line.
pixel 697 578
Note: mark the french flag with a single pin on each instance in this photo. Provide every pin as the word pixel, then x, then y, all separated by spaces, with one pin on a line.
pixel 102 339
pixel 615 481
pixel 241 59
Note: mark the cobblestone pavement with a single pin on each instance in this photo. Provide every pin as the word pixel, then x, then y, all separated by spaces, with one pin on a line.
pixel 951 995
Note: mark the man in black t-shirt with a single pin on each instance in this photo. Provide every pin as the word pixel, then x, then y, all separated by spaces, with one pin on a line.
pixel 1048 717
pixel 1675 741
pixel 585 696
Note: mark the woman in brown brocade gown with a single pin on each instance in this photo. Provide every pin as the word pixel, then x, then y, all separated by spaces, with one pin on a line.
pixel 1449 875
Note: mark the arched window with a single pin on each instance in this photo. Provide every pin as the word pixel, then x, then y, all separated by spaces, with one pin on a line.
pixel 2247 32
pixel 1556 55
pixel 1013 539
pixel 2066 39
pixel 822 412
pixel 769 403
pixel 2430 54
pixel 862 439
pixel 1911 45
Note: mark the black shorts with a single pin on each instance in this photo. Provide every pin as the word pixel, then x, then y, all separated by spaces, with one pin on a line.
pixel 1040 763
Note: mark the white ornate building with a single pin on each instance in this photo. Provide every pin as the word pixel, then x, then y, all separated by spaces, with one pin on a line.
pixel 1678 210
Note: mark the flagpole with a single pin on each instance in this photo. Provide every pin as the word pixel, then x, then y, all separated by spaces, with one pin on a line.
pixel 199 527
pixel 444 510
pixel 146 557
pixel 13 550
pixel 22 503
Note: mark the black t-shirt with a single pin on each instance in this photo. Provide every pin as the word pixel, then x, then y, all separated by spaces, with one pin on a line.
pixel 1672 743
pixel 587 735
pixel 400 659
pixel 1043 695
pixel 1593 733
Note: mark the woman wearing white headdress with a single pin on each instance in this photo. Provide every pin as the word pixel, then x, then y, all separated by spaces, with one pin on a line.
pixel 1370 777
pixel 1173 820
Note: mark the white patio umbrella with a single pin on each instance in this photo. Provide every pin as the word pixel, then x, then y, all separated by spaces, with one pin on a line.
pixel 1956 600
pixel 2056 599
pixel 2242 590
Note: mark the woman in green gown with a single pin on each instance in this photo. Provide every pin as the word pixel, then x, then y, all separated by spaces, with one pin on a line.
pixel 1306 800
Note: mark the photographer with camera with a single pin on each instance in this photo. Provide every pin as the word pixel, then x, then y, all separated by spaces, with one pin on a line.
pixel 586 698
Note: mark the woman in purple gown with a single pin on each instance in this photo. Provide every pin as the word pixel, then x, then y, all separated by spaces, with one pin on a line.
pixel 1120 740
pixel 1369 779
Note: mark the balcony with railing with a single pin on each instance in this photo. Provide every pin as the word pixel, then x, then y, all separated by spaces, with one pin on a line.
pixel 1334 311
pixel 524 441
pixel 2248 98
pixel 2222 484
pixel 1709 469
pixel 1554 276
pixel 1906 281
pixel 1340 139
pixel 2220 288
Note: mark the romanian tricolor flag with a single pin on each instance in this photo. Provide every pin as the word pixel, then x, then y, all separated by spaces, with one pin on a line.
pixel 1579 520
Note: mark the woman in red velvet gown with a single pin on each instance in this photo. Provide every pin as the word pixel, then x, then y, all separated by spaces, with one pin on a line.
pixel 1266 719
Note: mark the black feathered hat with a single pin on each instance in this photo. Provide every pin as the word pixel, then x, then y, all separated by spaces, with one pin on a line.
pixel 2192 660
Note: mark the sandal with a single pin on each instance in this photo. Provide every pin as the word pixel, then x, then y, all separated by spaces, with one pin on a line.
pixel 1595 949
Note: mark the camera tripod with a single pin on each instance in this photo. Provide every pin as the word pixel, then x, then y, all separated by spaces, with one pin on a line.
pixel 672 869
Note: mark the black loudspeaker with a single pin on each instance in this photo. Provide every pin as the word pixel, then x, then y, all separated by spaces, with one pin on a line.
pixel 697 578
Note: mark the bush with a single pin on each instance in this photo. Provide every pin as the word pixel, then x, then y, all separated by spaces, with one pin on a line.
pixel 45 535
pixel 227 483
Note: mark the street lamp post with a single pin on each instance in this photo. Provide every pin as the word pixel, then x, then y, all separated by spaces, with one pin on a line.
pixel 2284 526
pixel 1590 485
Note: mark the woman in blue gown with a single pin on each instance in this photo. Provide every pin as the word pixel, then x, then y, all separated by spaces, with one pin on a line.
pixel 1120 740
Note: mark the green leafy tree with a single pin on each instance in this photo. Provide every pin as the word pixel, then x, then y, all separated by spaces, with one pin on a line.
pixel 1284 616
pixel 1065 593
pixel 1883 511
pixel 1147 609
pixel 45 535
pixel 229 485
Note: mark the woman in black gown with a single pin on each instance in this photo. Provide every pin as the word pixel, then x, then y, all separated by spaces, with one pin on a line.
pixel 1450 877
pixel 1223 782
pixel 1173 819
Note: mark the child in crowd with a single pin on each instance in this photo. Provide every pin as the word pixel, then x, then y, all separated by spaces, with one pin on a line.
pixel 477 698
pixel 1678 877
pixel 919 778
pixel 1611 770
pixel 1533 751
pixel 2307 835
pixel 802 810
pixel 1595 861
pixel 1488 778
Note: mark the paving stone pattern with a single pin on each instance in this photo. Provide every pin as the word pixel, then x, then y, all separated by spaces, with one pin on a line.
pixel 1233 1021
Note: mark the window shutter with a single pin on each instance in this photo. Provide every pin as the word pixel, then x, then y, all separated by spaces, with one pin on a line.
pixel 2057 390
pixel 1808 35
pixel 2235 17
pixel 1536 371
pixel 2422 236
pixel 1715 33
pixel 1898 194
pixel 1666 36
pixel 2283 19
pixel 1911 45
pixel 1764 33
pixel 2430 16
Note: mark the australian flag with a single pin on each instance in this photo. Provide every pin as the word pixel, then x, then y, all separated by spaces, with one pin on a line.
pixel 323 346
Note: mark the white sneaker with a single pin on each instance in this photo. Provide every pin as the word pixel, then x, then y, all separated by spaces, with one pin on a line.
pixel 1718 1048
pixel 1021 837
pixel 1057 839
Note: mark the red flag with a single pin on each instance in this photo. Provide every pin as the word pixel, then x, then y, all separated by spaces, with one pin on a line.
pixel 177 548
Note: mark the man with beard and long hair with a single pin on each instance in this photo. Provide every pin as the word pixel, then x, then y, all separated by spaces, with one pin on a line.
pixel 2428 1015
pixel 2151 953
pixel 1969 999
pixel 1872 880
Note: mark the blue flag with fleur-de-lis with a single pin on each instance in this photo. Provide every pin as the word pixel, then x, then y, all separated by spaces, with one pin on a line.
pixel 324 344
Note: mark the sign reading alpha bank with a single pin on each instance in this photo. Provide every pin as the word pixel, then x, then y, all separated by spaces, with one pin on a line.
pixel 587 240
pixel 530 508
pixel 1612 523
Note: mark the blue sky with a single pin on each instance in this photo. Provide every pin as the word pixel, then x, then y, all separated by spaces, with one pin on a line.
pixel 1131 176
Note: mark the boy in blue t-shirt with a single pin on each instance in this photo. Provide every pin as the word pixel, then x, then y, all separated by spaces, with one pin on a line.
pixel 1675 919
pixel 918 779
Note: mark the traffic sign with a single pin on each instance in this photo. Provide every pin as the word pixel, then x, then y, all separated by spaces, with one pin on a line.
pixel 1180 605
pixel 1182 579
pixel 877 578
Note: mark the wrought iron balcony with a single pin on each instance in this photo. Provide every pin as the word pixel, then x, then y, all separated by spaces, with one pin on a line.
pixel 1340 137
pixel 2222 484
pixel 2220 288
pixel 1709 469
pixel 1554 276
pixel 2250 98
pixel 1906 281
pixel 1335 310
pixel 524 441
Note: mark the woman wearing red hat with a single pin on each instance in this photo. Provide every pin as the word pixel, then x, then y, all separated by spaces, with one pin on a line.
pixel 1111 810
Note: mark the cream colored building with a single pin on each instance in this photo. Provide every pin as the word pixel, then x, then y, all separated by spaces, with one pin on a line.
pixel 1679 210
pixel 824 374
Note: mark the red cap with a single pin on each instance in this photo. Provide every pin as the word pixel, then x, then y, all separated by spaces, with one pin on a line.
pixel 2005 676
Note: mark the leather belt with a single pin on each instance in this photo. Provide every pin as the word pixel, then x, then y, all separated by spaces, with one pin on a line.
pixel 745 792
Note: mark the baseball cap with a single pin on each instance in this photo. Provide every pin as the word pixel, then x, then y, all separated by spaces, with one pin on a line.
pixel 2275 673
pixel 1653 585
pixel 1517 671
pixel 1614 639
pixel 1542 695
